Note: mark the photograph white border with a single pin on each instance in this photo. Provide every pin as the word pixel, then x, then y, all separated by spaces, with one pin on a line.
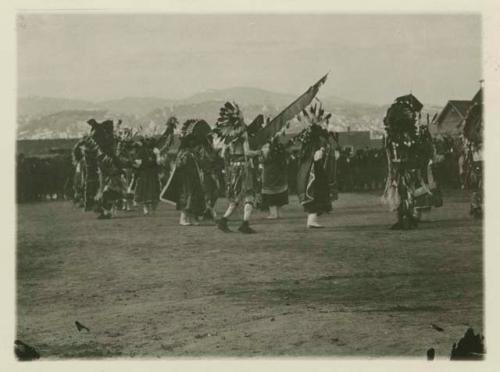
pixel 490 11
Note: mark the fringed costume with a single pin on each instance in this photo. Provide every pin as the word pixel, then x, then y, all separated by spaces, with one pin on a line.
pixel 185 185
pixel 211 174
pixel 408 153
pixel 126 152
pixel 112 185
pixel 86 181
pixel 239 167
pixel 78 160
pixel 316 186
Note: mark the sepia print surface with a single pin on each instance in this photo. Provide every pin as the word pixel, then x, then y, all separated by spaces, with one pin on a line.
pixel 244 185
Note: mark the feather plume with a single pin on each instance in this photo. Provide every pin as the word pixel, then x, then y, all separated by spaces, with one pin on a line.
pixel 230 124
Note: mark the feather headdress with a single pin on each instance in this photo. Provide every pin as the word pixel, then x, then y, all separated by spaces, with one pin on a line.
pixel 318 119
pixel 196 128
pixel 187 127
pixel 167 137
pixel 230 124
pixel 315 115
pixel 402 117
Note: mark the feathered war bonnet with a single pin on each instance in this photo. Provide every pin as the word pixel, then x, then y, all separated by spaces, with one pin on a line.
pixel 317 130
pixel 230 125
pixel 401 118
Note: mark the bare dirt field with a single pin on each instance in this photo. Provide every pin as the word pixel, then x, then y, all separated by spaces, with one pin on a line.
pixel 148 288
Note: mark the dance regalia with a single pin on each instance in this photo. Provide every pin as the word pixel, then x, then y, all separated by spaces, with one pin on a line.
pixel 275 176
pixel 125 152
pixel 184 187
pixel 240 174
pixel 240 170
pixel 316 176
pixel 78 160
pixel 428 192
pixel 404 180
pixel 210 170
pixel 147 189
pixel 112 185
pixel 88 173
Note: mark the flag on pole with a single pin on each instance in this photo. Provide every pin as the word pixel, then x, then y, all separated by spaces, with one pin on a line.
pixel 287 114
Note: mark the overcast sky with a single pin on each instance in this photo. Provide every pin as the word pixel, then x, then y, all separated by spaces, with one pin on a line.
pixel 371 58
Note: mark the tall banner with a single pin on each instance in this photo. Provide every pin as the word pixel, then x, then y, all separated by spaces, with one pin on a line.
pixel 275 125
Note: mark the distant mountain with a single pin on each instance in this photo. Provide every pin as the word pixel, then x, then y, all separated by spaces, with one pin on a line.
pixel 138 106
pixel 244 96
pixel 135 106
pixel 345 102
pixel 44 117
pixel 37 106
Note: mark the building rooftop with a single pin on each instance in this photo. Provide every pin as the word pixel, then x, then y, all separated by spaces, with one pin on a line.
pixel 460 106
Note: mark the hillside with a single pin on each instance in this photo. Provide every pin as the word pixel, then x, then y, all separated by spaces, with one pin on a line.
pixel 37 106
pixel 135 106
pixel 43 117
pixel 242 95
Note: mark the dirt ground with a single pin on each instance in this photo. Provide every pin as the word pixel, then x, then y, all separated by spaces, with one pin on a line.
pixel 147 287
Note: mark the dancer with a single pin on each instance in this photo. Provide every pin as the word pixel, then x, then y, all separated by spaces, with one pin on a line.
pixel 78 160
pixel 147 190
pixel 126 151
pixel 86 173
pixel 402 149
pixel 239 166
pixel 110 168
pixel 316 174
pixel 210 169
pixel 274 177
pixel 184 187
